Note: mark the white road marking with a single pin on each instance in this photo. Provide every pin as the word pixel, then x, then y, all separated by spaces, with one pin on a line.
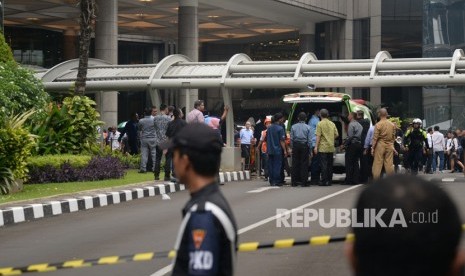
pixel 165 197
pixel 264 221
pixel 168 268
pixel 448 179
pixel 163 271
pixel 262 189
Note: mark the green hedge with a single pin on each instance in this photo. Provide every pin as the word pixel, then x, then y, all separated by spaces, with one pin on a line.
pixel 78 161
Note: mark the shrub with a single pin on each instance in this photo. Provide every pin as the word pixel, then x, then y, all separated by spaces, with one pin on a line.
pixel 77 161
pixel 19 89
pixel 7 180
pixel 5 52
pixel 71 128
pixel 98 168
pixel 16 144
pixel 129 161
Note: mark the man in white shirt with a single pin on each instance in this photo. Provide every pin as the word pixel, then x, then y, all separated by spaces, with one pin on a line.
pixel 438 149
pixel 113 137
pixel 246 135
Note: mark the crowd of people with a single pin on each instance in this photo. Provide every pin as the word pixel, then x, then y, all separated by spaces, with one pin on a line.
pixel 371 149
pixel 144 135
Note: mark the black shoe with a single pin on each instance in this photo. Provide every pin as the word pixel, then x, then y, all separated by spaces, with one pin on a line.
pixel 157 177
pixel 324 184
pixel 166 178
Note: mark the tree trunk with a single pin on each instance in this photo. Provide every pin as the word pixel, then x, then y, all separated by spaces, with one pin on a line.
pixel 86 21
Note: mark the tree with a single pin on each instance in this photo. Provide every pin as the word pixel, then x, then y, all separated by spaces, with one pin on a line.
pixel 87 23
pixel 19 89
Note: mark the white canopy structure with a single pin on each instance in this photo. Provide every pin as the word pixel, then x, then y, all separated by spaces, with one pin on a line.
pixel 177 71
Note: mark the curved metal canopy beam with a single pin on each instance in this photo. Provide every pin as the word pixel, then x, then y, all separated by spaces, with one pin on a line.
pixel 158 72
pixel 380 57
pixel 305 59
pixel 64 67
pixel 458 55
pixel 227 99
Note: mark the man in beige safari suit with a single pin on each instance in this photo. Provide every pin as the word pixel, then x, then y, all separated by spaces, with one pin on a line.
pixel 383 145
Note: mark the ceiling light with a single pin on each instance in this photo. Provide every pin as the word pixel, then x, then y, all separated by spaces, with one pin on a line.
pixel 32 18
pixel 146 1
pixel 213 16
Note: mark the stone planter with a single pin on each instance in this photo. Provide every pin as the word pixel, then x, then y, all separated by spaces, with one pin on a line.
pixel 18 187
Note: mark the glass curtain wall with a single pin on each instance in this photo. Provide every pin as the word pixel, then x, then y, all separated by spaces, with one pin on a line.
pixel 401 37
pixel 443 32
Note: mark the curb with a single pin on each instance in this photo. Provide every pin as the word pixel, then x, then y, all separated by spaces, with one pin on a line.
pixel 30 212
pixel 233 176
pixel 53 208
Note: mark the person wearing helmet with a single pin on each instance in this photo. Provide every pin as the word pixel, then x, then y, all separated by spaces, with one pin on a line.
pixel 416 142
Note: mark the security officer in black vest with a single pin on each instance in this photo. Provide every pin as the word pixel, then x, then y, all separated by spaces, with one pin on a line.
pixel 207 238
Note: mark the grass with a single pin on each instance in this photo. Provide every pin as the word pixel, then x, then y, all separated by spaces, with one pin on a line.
pixel 35 191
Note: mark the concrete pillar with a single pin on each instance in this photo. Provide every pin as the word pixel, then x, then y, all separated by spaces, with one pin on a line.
pixel 188 44
pixel 307 38
pixel 375 43
pixel 70 50
pixel 106 48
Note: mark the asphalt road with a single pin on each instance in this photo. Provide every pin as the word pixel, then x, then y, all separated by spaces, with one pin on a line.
pixel 151 224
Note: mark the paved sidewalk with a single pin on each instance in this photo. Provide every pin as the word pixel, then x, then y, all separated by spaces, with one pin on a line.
pixel 16 212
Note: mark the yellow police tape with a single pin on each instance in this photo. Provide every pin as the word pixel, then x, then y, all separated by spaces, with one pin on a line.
pixel 147 256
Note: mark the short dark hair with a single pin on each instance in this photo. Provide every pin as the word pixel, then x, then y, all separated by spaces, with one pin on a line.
pixel 302 116
pixel 324 113
pixel 436 128
pixel 163 106
pixel 148 111
pixel 177 113
pixel 430 129
pixel 418 249
pixel 198 103
pixel 278 116
pixel 204 163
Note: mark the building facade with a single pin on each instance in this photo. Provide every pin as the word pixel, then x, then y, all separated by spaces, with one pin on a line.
pixel 45 33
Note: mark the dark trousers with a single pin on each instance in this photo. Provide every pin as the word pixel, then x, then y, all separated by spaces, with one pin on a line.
pixel 315 168
pixel 167 167
pixel 365 166
pixel 352 159
pixel 264 163
pixel 300 152
pixel 326 167
pixel 429 161
pixel 415 157
pixel 369 161
pixel 275 163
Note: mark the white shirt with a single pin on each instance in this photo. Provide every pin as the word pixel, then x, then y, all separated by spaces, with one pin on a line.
pixel 429 138
pixel 246 136
pixel 438 141
pixel 452 142
pixel 113 140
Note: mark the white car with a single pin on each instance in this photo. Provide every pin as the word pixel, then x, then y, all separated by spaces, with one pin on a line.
pixel 338 104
